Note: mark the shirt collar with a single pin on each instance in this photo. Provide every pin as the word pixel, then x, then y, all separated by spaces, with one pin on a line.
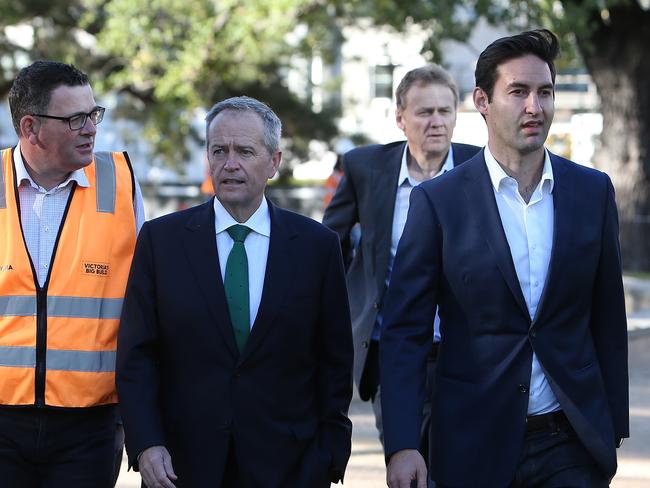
pixel 259 222
pixel 22 175
pixel 404 171
pixel 498 175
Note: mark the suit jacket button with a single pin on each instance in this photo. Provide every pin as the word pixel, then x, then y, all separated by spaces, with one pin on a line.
pixel 533 334
pixel 375 306
pixel 523 388
pixel 364 344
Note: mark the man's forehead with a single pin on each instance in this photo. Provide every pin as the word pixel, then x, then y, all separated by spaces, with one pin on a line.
pixel 78 97
pixel 437 93
pixel 527 69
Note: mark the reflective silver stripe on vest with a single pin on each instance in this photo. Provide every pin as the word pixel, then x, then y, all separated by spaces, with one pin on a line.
pixel 18 356
pixel 18 306
pixel 3 199
pixel 106 181
pixel 85 361
pixel 76 307
pixel 84 307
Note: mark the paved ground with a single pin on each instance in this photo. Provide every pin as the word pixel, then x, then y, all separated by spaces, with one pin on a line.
pixel 366 467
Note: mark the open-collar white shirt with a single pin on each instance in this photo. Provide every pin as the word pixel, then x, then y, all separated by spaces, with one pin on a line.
pixel 529 231
pixel 405 184
pixel 41 212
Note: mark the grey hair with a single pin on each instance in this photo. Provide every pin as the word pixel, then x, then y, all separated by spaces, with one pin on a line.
pixel 272 124
pixel 431 74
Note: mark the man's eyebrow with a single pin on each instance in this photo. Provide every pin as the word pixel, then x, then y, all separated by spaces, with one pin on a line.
pixel 81 112
pixel 519 84
pixel 245 146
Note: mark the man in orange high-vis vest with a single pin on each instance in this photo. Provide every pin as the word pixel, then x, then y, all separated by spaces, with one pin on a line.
pixel 68 220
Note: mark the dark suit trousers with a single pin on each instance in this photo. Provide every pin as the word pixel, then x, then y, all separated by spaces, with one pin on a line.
pixel 554 457
pixel 48 448
pixel 307 474
pixel 231 478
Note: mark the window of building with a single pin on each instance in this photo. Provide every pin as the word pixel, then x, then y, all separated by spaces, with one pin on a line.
pixel 383 81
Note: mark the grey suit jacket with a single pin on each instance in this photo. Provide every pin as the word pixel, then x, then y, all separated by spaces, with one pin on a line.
pixel 366 196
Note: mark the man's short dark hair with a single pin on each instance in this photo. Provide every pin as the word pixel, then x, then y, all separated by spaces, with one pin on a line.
pixel 541 43
pixel 431 74
pixel 32 89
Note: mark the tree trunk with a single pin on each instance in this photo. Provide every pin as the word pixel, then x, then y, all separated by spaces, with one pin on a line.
pixel 617 55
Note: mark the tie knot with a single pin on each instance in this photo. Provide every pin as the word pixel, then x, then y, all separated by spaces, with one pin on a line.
pixel 238 232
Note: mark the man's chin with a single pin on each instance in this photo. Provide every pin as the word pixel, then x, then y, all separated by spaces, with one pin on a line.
pixel 436 150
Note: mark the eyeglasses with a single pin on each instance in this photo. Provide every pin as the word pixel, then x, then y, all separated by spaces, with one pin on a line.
pixel 78 121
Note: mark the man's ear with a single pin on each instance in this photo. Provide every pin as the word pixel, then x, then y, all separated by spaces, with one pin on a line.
pixel 29 127
pixel 481 101
pixel 398 118
pixel 276 160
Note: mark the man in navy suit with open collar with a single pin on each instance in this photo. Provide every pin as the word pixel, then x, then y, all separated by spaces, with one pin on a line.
pixel 519 250
pixel 374 194
pixel 235 348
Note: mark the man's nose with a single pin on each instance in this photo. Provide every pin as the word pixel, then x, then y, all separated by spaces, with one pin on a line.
pixel 533 104
pixel 436 119
pixel 232 162
pixel 89 127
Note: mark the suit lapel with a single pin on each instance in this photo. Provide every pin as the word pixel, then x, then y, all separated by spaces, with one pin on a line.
pixel 278 276
pixel 458 154
pixel 562 225
pixel 384 185
pixel 480 196
pixel 199 243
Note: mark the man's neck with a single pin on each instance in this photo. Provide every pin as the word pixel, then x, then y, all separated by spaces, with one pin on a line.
pixel 424 167
pixel 40 175
pixel 525 169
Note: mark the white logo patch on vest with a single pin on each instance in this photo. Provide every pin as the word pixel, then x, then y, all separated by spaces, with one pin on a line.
pixel 96 269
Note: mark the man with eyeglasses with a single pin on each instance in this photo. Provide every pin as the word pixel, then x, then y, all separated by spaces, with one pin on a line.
pixel 68 220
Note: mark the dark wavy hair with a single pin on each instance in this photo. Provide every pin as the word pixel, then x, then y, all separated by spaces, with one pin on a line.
pixel 541 43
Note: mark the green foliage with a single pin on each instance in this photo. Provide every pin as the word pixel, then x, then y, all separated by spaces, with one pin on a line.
pixel 168 57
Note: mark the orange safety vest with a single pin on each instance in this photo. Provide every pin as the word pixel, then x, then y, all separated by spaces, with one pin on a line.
pixel 58 343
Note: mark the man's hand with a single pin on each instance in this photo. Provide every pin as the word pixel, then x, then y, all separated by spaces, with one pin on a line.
pixel 156 468
pixel 405 466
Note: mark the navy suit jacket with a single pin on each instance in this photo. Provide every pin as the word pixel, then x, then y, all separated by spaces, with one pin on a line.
pixel 366 196
pixel 454 254
pixel 282 403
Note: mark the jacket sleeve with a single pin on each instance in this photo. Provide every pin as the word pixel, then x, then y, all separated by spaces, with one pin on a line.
pixel 407 331
pixel 335 365
pixel 137 375
pixel 342 214
pixel 608 319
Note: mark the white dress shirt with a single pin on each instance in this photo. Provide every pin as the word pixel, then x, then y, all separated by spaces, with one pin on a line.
pixel 41 212
pixel 256 244
pixel 405 184
pixel 529 231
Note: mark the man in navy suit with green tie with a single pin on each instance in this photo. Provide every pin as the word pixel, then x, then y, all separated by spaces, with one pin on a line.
pixel 235 348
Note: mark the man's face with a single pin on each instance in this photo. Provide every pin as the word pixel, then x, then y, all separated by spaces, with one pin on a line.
pixel 521 110
pixel 240 163
pixel 428 119
pixel 67 150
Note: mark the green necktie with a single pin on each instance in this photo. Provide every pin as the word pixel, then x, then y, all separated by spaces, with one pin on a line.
pixel 236 285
